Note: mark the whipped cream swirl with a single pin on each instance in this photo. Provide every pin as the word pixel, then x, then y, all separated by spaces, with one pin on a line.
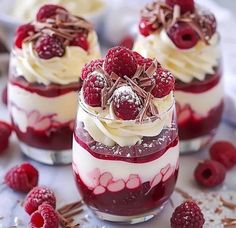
pixel 60 70
pixel 104 127
pixel 184 64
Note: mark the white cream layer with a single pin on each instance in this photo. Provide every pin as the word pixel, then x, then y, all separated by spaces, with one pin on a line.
pixel 112 131
pixel 61 70
pixel 22 103
pixel 184 64
pixel 84 163
pixel 202 103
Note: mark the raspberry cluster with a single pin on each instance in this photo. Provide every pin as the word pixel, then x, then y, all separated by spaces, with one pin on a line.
pixel 211 173
pixel 127 81
pixel 54 30
pixel 184 23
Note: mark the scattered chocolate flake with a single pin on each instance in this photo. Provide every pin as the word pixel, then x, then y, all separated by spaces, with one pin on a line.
pixel 159 15
pixel 67 212
pixel 218 210
pixel 228 204
pixel 184 194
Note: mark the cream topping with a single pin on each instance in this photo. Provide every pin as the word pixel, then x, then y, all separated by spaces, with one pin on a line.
pixel 28 10
pixel 109 130
pixel 184 64
pixel 61 70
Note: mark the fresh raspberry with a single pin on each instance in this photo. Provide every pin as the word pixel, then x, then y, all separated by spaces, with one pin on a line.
pixel 44 217
pixel 48 47
pixel 127 41
pixel 224 152
pixel 208 22
pixel 38 196
pixel 48 11
pixel 146 28
pixel 185 5
pixel 165 83
pixel 141 61
pixel 22 33
pixel 5 132
pixel 187 215
pixel 4 95
pixel 22 177
pixel 126 103
pixel 183 35
pixel 81 41
pixel 210 173
pixel 92 89
pixel 121 61
pixel 90 67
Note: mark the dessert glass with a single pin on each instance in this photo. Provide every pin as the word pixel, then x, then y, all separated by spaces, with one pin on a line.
pixel 198 73
pixel 126 146
pixel 43 96
pixel 126 184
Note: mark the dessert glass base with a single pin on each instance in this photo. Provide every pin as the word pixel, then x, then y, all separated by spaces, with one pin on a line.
pixel 49 157
pixel 194 145
pixel 129 219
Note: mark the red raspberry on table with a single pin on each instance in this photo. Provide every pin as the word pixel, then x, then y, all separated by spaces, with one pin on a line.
pixel 22 33
pixel 224 152
pixel 22 177
pixel 5 132
pixel 121 61
pixel 90 67
pixel 165 83
pixel 210 173
pixel 141 61
pixel 187 215
pixel 81 41
pixel 183 35
pixel 48 11
pixel 126 103
pixel 185 5
pixel 146 28
pixel 38 196
pixel 48 47
pixel 44 217
pixel 92 89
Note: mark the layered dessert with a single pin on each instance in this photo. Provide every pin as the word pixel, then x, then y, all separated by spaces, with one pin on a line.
pixel 183 37
pixel 126 147
pixel 46 62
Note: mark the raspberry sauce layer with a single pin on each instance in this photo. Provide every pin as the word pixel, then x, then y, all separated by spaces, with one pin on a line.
pixel 52 90
pixel 58 138
pixel 128 201
pixel 197 86
pixel 193 126
pixel 150 149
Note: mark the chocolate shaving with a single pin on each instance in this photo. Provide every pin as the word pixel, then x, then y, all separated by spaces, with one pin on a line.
pixel 145 108
pixel 63 25
pixel 184 194
pixel 159 14
pixel 67 212
pixel 228 204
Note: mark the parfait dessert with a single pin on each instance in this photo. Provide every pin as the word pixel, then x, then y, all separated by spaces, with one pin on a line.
pixel 183 37
pixel 46 62
pixel 126 147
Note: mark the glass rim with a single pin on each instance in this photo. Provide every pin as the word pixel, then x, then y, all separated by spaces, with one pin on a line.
pixel 97 116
